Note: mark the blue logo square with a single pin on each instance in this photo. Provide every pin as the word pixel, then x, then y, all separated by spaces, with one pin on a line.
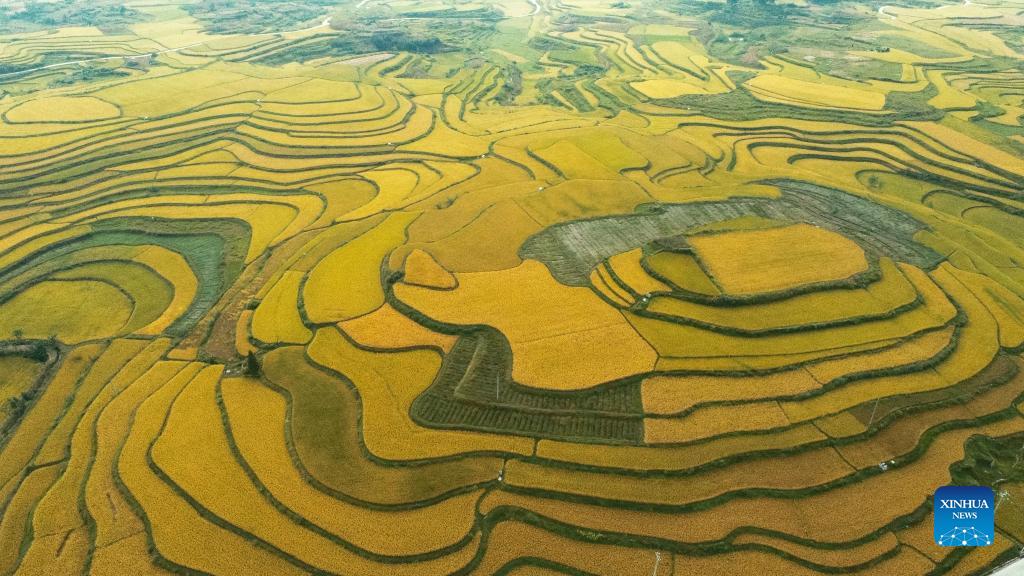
pixel 964 516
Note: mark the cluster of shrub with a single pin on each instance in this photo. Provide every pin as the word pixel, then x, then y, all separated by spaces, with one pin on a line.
pixel 109 17
pixel 429 32
pixel 256 16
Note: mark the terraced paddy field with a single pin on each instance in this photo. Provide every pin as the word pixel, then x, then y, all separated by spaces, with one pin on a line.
pixel 523 287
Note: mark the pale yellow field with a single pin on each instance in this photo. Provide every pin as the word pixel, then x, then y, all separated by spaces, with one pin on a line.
pixel 775 88
pixel 62 109
pixel 422 270
pixel 606 345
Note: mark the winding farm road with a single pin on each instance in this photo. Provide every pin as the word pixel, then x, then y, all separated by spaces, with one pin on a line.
pixel 325 23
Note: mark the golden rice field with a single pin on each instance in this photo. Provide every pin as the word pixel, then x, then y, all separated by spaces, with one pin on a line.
pixel 459 287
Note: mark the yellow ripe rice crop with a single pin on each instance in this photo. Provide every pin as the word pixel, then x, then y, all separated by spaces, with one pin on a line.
pixel 776 88
pixel 257 419
pixel 977 344
pixel 150 294
pixel 329 240
pixel 683 271
pixel 314 90
pixel 520 539
pixel 224 551
pixel 575 163
pixel 63 553
pixel 18 513
pixel 130 555
pixel 22 445
pixel 839 557
pixel 916 349
pixel 388 431
pixel 906 561
pixel 903 435
pixel 947 97
pixel 489 242
pixel 671 394
pixel 210 473
pixel 995 220
pixel 34 139
pixel 62 109
pixel 714 420
pixel 674 457
pixel 562 317
pixel 394 188
pixel 667 87
pixel 271 219
pixel 74 311
pixel 968 145
pixel 628 268
pixel 752 222
pixel 115 519
pixel 494 184
pixel 452 143
pixel 347 283
pixel 1006 307
pixel 242 345
pixel 685 341
pixel 20 374
pixel 841 425
pixel 422 270
pixel 583 198
pixel 602 283
pixel 878 298
pixel 15 252
pixel 870 503
pixel 71 438
pixel 573 293
pixel 613 150
pixel 921 535
pixel 747 262
pixel 982 558
pixel 267 221
pixel 175 269
pixel 769 362
pixel 327 439
pixel 342 196
pixel 800 470
pixel 276 319
pixel 387 328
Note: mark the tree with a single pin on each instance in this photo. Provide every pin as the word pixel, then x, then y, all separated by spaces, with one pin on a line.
pixel 39 353
pixel 252 365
